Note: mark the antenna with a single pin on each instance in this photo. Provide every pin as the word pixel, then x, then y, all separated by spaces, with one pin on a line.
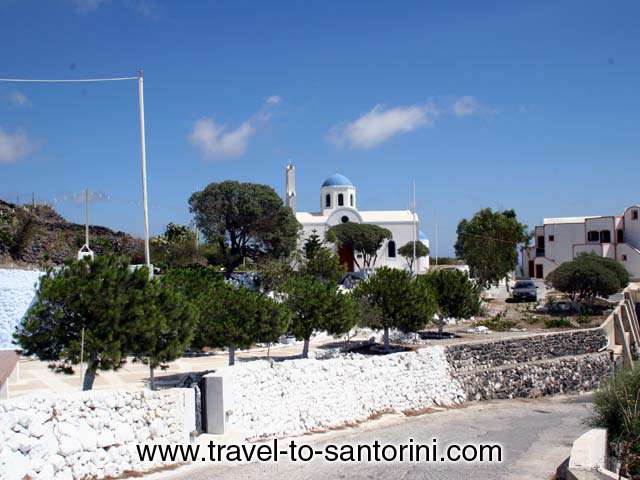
pixel 86 216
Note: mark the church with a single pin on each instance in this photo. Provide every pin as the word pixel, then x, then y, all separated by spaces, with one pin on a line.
pixel 339 204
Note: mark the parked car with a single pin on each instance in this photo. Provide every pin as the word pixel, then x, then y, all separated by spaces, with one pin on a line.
pixel 525 290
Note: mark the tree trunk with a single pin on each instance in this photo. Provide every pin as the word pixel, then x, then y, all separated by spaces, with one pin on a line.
pixel 305 348
pixel 152 378
pixel 90 373
pixel 440 325
pixel 386 339
pixel 232 354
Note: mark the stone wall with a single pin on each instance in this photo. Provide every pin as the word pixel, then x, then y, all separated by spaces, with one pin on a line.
pixel 529 367
pixel 89 434
pixel 298 396
pixel 17 291
pixel 496 353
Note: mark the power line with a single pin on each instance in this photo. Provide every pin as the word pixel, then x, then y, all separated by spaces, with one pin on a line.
pixel 66 80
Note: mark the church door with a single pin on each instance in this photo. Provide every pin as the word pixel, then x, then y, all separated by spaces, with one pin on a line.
pixel 346 257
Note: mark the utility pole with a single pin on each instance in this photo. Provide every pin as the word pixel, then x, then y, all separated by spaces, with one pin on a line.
pixel 86 217
pixel 415 226
pixel 436 239
pixel 143 159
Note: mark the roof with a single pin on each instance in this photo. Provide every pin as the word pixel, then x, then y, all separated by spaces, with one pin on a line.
pixel 558 220
pixel 337 180
pixel 386 216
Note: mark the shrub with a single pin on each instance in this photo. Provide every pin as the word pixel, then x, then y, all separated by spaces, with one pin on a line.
pixel 457 295
pixel 617 408
pixel 403 302
pixel 497 323
pixel 557 323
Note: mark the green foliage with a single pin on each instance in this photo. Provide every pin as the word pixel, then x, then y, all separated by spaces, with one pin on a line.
pixel 364 238
pixel 244 220
pixel 407 252
pixel 588 276
pixel 557 323
pixel 175 248
pixel 274 274
pixel 102 297
pixel 228 316
pixel 617 408
pixel 488 244
pixel 317 305
pixel 403 302
pixel 24 233
pixel 324 265
pixel 311 245
pixel 446 261
pixel 497 323
pixel 165 328
pixel 457 295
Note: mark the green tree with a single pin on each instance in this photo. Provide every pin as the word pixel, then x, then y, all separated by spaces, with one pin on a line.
pixel 403 302
pixel 165 329
pixel 456 294
pixel 102 298
pixel 311 245
pixel 488 244
pixel 317 305
pixel 588 276
pixel 407 251
pixel 245 220
pixel 324 265
pixel 274 274
pixel 364 238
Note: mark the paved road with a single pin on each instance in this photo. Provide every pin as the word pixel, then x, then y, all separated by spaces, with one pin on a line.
pixel 536 436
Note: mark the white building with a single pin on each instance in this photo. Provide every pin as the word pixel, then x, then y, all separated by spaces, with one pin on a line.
pixel 338 204
pixel 562 239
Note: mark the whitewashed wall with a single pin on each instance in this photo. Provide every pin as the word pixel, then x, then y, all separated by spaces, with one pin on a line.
pixel 89 434
pixel 298 396
pixel 17 291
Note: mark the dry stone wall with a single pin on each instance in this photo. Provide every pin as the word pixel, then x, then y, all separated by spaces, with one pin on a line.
pixel 89 434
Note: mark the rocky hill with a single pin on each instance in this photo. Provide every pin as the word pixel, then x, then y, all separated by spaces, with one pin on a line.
pixel 38 235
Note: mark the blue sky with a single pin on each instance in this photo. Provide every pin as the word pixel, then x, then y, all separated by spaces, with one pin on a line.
pixel 525 105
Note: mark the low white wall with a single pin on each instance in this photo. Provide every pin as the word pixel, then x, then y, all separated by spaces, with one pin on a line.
pixel 17 291
pixel 89 434
pixel 298 396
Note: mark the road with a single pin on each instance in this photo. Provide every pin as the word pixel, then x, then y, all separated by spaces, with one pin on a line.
pixel 536 436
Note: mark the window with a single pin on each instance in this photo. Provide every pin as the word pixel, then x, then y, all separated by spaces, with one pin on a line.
pixel 593 236
pixel 634 214
pixel 624 258
pixel 391 249
pixel 620 236
pixel 552 238
pixel 327 200
pixel 344 219
pixel 351 199
pixel 340 200
pixel 605 236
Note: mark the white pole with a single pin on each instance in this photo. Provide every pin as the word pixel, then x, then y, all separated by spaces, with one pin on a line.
pixel 82 359
pixel 415 227
pixel 436 239
pixel 143 159
pixel 86 217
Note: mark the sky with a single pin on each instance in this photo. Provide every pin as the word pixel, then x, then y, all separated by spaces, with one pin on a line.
pixel 533 106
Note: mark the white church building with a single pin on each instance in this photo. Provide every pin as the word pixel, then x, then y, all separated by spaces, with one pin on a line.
pixel 339 204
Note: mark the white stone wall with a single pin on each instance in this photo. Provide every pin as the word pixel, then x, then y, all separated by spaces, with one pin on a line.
pixel 298 396
pixel 17 291
pixel 89 434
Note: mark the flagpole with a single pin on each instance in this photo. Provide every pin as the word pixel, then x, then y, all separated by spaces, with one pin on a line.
pixel 143 159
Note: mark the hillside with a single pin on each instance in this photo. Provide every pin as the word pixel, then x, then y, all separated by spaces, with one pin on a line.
pixel 40 236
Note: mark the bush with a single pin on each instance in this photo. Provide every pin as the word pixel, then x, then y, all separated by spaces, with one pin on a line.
pixel 456 294
pixel 617 408
pixel 557 323
pixel 588 276
pixel 497 323
pixel 403 302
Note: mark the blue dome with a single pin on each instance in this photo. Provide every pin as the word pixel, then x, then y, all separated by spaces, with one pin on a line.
pixel 337 180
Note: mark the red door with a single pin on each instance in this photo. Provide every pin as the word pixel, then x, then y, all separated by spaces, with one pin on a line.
pixel 346 257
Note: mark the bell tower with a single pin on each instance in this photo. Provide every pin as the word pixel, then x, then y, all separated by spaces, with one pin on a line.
pixel 290 187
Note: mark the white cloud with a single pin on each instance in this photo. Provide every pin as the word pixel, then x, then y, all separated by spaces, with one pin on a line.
pixel 85 6
pixel 379 125
pixel 14 146
pixel 19 99
pixel 216 142
pixel 469 105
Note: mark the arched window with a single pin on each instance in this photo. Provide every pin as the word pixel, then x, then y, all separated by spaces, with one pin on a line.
pixel 351 199
pixel 391 249
pixel 327 200
pixel 340 200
